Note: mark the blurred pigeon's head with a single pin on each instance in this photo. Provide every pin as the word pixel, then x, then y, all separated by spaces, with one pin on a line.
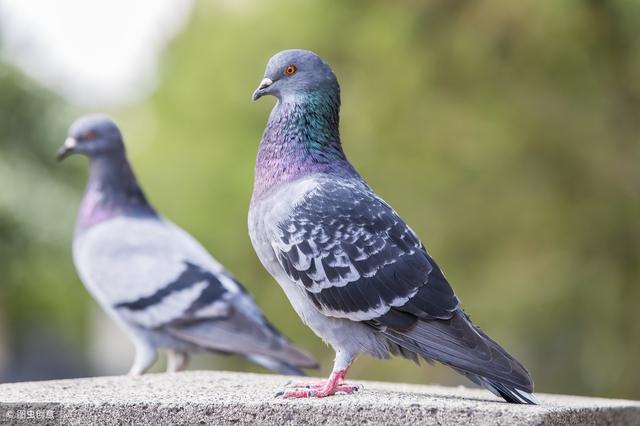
pixel 93 136
pixel 292 73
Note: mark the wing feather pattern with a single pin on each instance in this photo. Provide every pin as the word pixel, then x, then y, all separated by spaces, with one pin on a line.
pixel 356 259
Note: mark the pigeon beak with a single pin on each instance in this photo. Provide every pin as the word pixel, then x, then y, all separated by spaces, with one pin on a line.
pixel 67 149
pixel 262 89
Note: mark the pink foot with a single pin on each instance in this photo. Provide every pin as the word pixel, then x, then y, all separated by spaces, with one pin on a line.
pixel 320 389
pixel 320 392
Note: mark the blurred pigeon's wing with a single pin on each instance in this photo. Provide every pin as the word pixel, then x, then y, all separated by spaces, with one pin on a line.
pixel 152 272
pixel 356 259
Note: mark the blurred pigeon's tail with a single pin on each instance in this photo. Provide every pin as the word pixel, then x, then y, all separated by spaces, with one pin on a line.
pixel 458 343
pixel 246 335
pixel 278 366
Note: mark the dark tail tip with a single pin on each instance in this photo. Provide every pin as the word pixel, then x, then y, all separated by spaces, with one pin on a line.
pixel 510 393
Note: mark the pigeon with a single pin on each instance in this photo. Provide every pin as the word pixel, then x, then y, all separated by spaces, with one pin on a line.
pixel 353 270
pixel 152 278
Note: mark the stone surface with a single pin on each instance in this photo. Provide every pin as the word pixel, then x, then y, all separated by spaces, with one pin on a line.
pixel 224 398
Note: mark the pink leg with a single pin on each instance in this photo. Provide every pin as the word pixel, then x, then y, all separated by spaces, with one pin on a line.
pixel 324 388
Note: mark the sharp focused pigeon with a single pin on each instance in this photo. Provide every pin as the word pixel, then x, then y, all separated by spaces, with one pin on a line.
pixel 356 274
pixel 152 278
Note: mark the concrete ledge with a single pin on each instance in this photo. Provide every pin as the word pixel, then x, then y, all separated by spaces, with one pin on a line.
pixel 224 398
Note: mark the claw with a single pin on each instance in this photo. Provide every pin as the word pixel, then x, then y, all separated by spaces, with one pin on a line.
pixel 345 389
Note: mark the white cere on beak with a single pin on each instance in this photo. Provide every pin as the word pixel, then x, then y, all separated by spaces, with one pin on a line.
pixel 266 82
pixel 70 143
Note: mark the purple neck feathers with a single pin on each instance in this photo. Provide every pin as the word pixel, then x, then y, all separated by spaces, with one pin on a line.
pixel 301 138
pixel 112 191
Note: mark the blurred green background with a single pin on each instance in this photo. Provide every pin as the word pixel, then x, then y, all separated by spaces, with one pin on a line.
pixel 507 134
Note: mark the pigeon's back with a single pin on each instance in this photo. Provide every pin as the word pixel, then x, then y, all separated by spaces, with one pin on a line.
pixel 127 258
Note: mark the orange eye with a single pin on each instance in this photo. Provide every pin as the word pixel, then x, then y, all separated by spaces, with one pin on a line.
pixel 89 136
pixel 290 70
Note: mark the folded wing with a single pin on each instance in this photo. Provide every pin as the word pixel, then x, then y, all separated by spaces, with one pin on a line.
pixel 356 259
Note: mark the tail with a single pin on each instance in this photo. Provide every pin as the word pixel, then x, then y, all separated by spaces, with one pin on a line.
pixel 509 393
pixel 278 366
pixel 458 343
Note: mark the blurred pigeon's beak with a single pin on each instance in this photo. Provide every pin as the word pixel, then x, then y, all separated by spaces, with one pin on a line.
pixel 67 149
pixel 262 89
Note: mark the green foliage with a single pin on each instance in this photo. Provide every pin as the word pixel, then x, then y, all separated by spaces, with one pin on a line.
pixel 505 133
pixel 37 282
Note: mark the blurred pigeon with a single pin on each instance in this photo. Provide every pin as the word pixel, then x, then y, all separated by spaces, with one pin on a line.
pixel 152 278
pixel 356 274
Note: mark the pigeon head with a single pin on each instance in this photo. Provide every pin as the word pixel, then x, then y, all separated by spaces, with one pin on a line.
pixel 93 136
pixel 302 136
pixel 295 73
